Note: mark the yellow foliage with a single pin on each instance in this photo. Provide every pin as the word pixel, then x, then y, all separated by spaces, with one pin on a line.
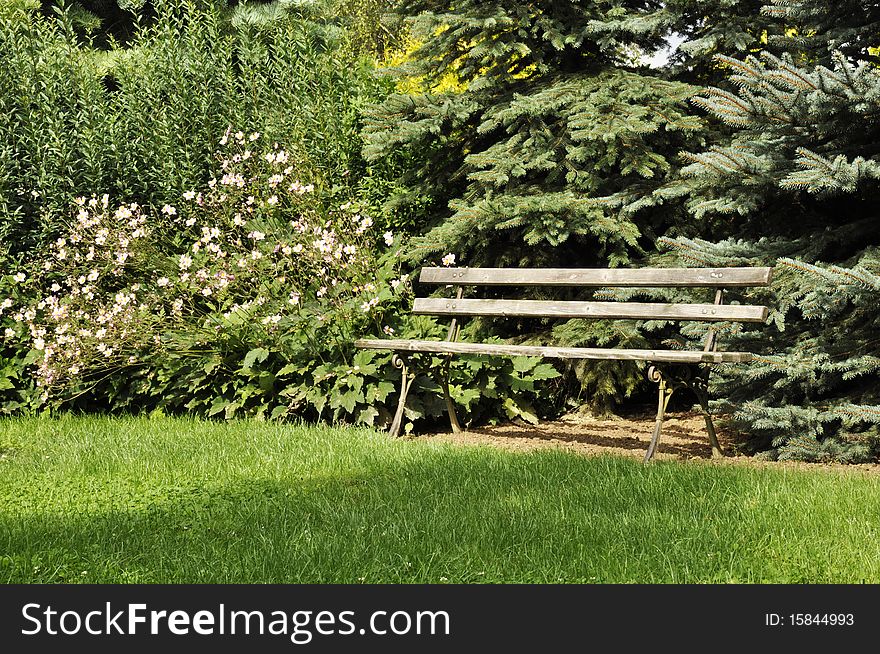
pixel 417 84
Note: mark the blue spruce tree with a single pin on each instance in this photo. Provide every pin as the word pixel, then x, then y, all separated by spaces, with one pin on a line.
pixel 797 184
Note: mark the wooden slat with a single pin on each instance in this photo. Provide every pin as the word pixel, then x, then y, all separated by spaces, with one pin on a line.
pixel 631 277
pixel 617 310
pixel 496 349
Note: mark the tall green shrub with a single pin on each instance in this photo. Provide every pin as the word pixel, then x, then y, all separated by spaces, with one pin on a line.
pixel 141 122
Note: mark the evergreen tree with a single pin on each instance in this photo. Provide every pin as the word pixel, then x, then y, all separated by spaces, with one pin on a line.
pixel 549 125
pixel 797 184
pixel 539 134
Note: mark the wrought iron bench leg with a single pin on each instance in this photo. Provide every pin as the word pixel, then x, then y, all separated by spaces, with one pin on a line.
pixel 406 380
pixel 450 405
pixel 664 395
pixel 701 389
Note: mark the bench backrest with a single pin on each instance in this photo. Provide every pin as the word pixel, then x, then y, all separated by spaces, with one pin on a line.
pixel 717 278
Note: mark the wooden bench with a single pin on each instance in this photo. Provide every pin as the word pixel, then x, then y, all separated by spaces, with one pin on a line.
pixel 693 366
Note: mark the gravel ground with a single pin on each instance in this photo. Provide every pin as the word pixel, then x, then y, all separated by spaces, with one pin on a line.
pixel 683 438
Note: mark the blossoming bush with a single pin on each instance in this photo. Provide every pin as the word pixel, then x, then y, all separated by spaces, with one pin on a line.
pixel 243 299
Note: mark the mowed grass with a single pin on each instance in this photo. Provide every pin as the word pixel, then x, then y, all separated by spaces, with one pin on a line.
pixel 98 500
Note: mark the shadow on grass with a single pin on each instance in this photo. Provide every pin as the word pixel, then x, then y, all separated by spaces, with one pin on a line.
pixel 449 515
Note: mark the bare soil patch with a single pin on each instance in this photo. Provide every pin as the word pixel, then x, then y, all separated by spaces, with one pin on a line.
pixel 683 438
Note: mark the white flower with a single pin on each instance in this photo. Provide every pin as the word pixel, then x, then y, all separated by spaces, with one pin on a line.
pixel 190 222
pixel 449 260
pixel 93 275
pixel 6 303
pixel 189 195
pixel 185 261
pixel 294 298
pixel 272 200
pixel 9 333
pixel 168 210
pixel 388 330
pixel 254 136
pixel 395 283
pixel 389 238
pixel 256 235
pixel 162 281
pixel 19 277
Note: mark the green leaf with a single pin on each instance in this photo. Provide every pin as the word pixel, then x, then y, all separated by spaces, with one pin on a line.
pixel 212 365
pixel 346 400
pixel 544 371
pixel 378 392
pixel 257 355
pixel 231 408
pixel 467 396
pixel 521 385
pixel 317 398
pixel 219 405
pixel 277 412
pixel 523 364
pixel 266 381
pixel 289 368
pixel 522 410
pixel 368 415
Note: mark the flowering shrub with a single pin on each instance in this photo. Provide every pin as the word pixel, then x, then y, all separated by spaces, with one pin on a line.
pixel 243 299
pixel 251 279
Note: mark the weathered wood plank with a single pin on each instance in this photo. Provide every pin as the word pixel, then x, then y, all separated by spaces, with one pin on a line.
pixel 649 277
pixel 498 349
pixel 615 310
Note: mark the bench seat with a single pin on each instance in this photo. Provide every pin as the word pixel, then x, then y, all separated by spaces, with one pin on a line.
pixel 503 349
pixel 675 368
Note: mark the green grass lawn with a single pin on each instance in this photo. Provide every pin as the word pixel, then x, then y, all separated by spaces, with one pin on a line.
pixel 182 501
